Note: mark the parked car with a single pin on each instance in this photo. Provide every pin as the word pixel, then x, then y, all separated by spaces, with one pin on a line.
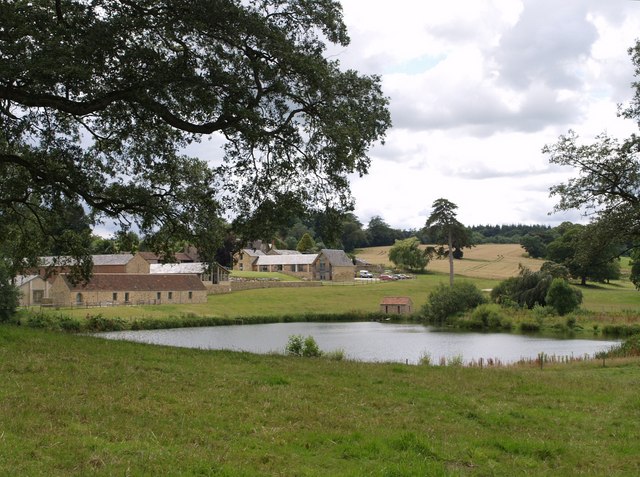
pixel 365 274
pixel 385 276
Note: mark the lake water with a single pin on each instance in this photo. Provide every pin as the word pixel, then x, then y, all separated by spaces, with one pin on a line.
pixel 369 341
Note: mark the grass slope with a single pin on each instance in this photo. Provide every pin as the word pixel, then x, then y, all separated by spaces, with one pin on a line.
pixel 73 405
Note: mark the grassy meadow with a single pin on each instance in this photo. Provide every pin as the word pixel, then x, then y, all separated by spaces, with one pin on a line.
pixel 74 405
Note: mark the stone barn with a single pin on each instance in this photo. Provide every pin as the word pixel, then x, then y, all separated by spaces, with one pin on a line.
pixel 396 305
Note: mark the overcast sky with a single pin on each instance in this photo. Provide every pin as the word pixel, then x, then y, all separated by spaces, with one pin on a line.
pixel 476 89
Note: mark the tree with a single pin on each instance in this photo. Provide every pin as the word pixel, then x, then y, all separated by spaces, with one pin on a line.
pixel 406 254
pixel 608 175
pixel 534 245
pixel 98 101
pixel 445 228
pixel 9 294
pixel 587 253
pixel 379 233
pixel 563 297
pixel 306 244
pixel 444 301
pixel 527 289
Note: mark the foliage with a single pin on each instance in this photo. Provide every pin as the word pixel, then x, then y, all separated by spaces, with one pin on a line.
pixel 100 100
pixel 608 177
pixel 444 302
pixel 635 269
pixel 380 233
pixel 527 289
pixel 298 345
pixel 490 316
pixel 629 347
pixel 562 296
pixel 586 252
pixel 306 244
pixel 407 255
pixel 534 245
pixel 9 295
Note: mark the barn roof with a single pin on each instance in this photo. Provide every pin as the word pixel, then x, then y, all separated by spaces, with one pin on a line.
pixel 137 282
pixel 110 259
pixel 337 258
pixel 163 268
pixel 293 259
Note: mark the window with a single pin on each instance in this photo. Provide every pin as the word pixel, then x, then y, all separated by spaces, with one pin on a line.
pixel 190 295
pixel 38 295
pixel 114 297
pixel 321 264
pixel 170 295
pixel 158 295
pixel 79 298
pixel 126 297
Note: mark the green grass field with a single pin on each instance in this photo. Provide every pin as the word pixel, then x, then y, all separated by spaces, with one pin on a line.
pixel 75 405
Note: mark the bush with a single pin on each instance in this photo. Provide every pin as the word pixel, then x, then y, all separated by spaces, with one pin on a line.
pixel 527 289
pixel 489 316
pixel 446 301
pixel 298 345
pixel 563 297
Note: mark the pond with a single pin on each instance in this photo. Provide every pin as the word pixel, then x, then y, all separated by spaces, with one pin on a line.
pixel 370 341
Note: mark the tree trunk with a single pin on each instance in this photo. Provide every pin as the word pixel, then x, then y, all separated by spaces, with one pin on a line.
pixel 450 258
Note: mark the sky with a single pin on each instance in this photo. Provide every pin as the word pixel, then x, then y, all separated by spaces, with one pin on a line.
pixel 476 89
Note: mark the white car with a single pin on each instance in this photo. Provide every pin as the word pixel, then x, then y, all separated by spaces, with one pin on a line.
pixel 365 274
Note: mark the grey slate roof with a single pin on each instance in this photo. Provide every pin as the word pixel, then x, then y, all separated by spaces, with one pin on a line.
pixel 337 258
pixel 137 282
pixel 111 259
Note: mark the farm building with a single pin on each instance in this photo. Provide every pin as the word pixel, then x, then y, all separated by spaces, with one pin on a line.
pixel 334 265
pixel 210 273
pixel 112 263
pixel 396 305
pixel 33 288
pixel 129 288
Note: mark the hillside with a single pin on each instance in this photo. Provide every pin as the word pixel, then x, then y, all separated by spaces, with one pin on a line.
pixel 494 261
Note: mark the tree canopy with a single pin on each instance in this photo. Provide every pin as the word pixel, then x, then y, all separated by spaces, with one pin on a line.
pixel 100 99
pixel 607 185
pixel 407 255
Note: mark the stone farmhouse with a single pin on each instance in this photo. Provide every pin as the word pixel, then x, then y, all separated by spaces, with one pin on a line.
pixel 129 288
pixel 328 264
pixel 121 279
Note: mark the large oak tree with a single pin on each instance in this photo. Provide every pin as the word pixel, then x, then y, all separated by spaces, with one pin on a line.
pixel 99 99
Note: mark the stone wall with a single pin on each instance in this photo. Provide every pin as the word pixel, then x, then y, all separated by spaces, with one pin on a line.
pixel 256 284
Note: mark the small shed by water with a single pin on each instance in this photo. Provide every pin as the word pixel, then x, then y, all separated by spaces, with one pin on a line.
pixel 396 305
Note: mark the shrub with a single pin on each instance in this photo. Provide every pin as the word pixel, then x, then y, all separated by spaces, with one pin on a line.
pixel 489 315
pixel 563 297
pixel 298 345
pixel 446 301
pixel 529 327
pixel 527 289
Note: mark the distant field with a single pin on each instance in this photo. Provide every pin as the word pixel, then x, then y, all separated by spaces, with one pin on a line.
pixel 492 261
